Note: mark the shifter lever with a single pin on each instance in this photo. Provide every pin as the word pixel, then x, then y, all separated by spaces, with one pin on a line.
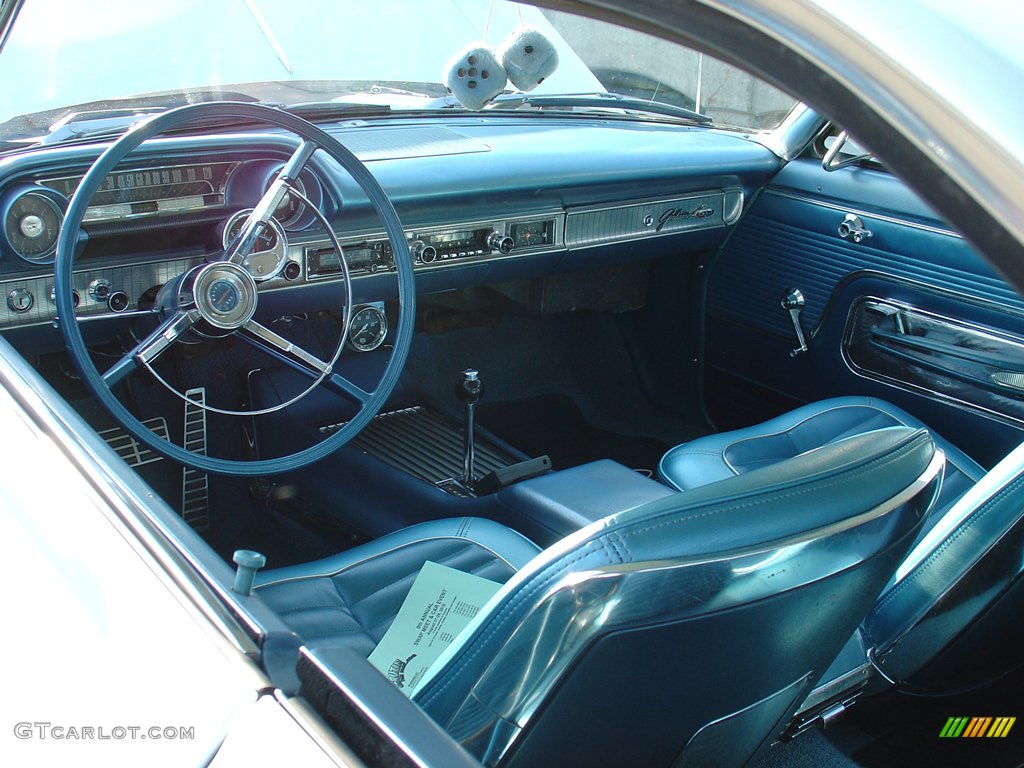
pixel 793 302
pixel 469 389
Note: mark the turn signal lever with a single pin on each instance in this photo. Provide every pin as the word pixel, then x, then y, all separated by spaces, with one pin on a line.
pixel 469 389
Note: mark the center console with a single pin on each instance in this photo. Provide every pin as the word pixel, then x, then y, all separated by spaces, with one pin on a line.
pixel 549 507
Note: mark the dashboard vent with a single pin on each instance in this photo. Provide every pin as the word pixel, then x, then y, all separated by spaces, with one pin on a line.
pixel 400 143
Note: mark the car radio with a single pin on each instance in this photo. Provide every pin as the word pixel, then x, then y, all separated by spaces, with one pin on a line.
pixel 362 258
pixel 435 246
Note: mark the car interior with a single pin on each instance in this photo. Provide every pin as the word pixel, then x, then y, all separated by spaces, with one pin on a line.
pixel 693 405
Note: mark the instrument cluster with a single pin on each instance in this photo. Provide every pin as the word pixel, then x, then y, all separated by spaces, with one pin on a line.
pixel 32 212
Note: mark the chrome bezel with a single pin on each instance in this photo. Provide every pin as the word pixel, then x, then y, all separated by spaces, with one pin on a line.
pixel 235 276
pixel 47 256
pixel 379 339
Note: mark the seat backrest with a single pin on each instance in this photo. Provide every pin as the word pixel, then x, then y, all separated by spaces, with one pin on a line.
pixel 686 631
pixel 954 611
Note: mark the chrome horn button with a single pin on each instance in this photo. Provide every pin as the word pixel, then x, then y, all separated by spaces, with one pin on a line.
pixel 225 295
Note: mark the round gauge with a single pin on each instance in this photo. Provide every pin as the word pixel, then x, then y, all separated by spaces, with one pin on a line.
pixel 31 224
pixel 369 328
pixel 267 257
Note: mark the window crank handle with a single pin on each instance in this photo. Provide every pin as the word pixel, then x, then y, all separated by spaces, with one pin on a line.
pixel 793 302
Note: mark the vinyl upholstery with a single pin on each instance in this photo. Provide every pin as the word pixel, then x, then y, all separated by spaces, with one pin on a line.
pixel 801 547
pixel 726 454
pixel 351 598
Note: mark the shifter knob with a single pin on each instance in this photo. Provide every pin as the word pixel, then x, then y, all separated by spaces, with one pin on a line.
pixel 469 389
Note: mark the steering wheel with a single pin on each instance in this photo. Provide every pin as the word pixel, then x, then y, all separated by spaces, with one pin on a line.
pixel 220 297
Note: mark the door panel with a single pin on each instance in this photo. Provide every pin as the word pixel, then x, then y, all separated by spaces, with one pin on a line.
pixel 910 260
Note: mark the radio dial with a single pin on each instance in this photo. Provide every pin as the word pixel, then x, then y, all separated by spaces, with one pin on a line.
pixel 423 253
pixel 500 242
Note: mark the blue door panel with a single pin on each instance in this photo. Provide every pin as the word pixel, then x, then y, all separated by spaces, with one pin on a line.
pixel 789 239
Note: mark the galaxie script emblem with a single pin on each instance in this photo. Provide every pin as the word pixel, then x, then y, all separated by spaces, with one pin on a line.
pixel 676 214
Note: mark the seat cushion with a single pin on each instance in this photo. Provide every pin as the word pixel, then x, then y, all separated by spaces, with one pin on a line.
pixel 716 457
pixel 350 599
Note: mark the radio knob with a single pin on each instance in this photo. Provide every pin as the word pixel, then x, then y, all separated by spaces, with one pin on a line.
pixel 423 253
pixel 500 242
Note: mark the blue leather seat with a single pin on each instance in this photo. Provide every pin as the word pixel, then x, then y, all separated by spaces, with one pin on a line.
pixel 951 614
pixel 716 457
pixel 682 631
pixel 351 598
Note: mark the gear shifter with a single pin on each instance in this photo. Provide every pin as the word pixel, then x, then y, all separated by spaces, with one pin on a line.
pixel 469 389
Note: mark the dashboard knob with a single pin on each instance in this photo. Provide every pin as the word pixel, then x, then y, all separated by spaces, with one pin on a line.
pixel 75 298
pixel 99 289
pixel 20 300
pixel 118 301
pixel 423 253
pixel 500 242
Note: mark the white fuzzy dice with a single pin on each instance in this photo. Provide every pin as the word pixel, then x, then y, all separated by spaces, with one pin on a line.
pixel 528 58
pixel 475 76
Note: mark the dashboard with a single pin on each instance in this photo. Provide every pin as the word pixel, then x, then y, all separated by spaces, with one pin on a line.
pixel 481 200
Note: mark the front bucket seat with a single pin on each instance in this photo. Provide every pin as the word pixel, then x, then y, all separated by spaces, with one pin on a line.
pixel 682 632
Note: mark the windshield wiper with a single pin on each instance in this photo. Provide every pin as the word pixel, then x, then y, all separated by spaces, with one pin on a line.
pixel 597 100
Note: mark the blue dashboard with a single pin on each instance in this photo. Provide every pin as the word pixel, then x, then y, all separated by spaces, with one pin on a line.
pixel 482 200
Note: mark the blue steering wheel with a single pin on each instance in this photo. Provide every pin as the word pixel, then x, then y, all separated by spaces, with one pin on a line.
pixel 220 297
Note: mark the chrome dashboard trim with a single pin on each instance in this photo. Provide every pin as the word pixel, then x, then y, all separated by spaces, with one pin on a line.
pixel 66 185
pixel 136 277
pixel 299 252
pixel 604 224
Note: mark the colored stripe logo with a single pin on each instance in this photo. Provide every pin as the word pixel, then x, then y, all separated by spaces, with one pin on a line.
pixel 977 727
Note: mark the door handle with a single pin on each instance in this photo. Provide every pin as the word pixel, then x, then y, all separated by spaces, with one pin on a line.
pixel 852 228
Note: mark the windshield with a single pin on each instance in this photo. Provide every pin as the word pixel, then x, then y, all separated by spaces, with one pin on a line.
pixel 66 54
